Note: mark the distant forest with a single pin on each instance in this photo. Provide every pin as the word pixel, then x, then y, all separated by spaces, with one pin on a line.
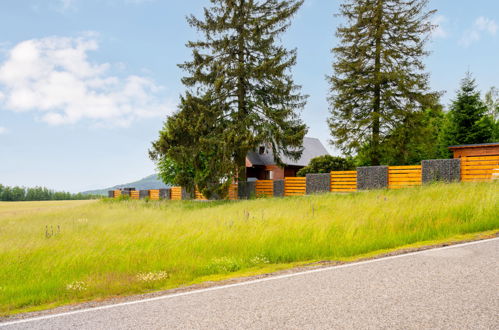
pixel 38 194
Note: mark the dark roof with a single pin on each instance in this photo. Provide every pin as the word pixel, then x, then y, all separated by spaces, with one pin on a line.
pixel 475 145
pixel 312 148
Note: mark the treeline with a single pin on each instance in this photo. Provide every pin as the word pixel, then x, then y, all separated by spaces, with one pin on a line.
pixel 38 194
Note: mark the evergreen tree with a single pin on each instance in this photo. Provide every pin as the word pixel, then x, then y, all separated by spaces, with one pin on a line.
pixel 378 79
pixel 492 103
pixel 468 119
pixel 240 94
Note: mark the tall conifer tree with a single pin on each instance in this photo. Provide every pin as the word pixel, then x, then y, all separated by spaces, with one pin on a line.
pixel 242 74
pixel 469 122
pixel 378 72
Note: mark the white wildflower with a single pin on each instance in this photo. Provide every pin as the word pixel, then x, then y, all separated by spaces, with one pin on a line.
pixel 76 286
pixel 152 276
pixel 260 259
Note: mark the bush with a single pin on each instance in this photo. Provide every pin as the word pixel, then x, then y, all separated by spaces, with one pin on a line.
pixel 326 164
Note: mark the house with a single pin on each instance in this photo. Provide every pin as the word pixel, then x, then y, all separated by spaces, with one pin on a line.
pixel 260 164
pixel 482 149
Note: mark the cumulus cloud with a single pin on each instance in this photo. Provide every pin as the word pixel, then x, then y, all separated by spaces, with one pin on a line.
pixel 54 78
pixel 482 25
pixel 439 31
pixel 3 130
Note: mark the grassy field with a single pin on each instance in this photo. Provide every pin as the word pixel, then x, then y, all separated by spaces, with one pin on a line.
pixel 53 253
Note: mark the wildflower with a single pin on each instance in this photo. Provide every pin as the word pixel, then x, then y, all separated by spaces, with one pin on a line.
pixel 152 276
pixel 260 259
pixel 76 286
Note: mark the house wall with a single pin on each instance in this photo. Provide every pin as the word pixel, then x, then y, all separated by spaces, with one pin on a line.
pixel 278 172
pixel 476 151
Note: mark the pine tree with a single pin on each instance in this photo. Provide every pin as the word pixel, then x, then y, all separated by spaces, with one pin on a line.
pixel 240 92
pixel 378 74
pixel 469 122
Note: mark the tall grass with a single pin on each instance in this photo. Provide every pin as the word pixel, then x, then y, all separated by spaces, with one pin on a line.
pixel 54 253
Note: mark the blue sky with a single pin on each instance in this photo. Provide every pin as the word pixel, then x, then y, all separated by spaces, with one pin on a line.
pixel 85 85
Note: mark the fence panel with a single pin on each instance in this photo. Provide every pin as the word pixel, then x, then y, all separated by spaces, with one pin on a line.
pixel 134 194
pixel 176 193
pixel 199 196
pixel 117 193
pixel 295 186
pixel 233 192
pixel 264 188
pixel 154 194
pixel 482 168
pixel 404 176
pixel 344 181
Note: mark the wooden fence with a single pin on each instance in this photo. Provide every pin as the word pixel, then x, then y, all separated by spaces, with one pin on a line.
pixel 134 194
pixel 264 188
pixel 295 186
pixel 176 193
pixel 479 168
pixel 233 192
pixel 199 196
pixel 117 193
pixel 343 181
pixel 154 194
pixel 404 176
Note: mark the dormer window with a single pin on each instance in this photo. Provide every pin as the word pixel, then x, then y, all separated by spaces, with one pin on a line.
pixel 261 150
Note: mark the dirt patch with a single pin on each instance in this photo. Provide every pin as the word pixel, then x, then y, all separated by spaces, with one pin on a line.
pixel 209 284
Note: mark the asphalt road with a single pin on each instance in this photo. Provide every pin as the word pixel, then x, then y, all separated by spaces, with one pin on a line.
pixel 448 288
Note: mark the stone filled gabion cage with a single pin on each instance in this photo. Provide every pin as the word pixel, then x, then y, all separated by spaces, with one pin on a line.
pixel 363 178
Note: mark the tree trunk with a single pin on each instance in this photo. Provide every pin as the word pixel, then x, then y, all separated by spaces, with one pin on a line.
pixel 375 139
pixel 241 94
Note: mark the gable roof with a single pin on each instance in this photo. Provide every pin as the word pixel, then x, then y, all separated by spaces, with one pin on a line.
pixel 312 148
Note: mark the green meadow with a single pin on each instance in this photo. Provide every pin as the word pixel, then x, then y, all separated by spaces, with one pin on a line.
pixel 55 253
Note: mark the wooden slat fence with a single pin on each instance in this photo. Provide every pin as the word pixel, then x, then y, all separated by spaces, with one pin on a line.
pixel 233 192
pixel 199 196
pixel 176 193
pixel 264 188
pixel 134 194
pixel 481 168
pixel 295 186
pixel 154 194
pixel 117 193
pixel 343 181
pixel 404 176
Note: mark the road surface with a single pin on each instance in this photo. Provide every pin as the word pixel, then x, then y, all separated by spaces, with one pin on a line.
pixel 455 287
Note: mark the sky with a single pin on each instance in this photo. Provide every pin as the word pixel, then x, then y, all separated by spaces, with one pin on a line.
pixel 85 85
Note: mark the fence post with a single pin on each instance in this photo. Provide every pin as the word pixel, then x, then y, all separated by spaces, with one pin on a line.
pixel 246 189
pixel 318 183
pixel 372 177
pixel 185 194
pixel 164 193
pixel 446 170
pixel 278 188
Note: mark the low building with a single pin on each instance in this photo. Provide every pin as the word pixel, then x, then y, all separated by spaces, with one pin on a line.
pixel 481 149
pixel 260 164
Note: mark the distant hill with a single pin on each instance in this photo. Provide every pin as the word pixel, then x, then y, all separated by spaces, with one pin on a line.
pixel 149 182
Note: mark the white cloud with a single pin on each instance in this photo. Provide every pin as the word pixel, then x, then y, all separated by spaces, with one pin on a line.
pixel 480 26
pixel 3 130
pixel 439 31
pixel 54 78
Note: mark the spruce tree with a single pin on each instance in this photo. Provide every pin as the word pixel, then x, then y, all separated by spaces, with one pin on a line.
pixel 240 92
pixel 378 76
pixel 469 121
